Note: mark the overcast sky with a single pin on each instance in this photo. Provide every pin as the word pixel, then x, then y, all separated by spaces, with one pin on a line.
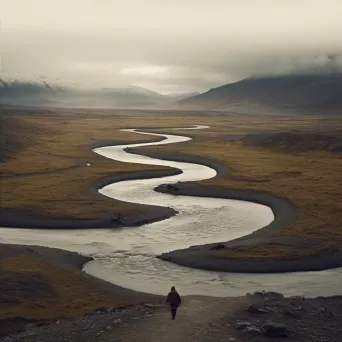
pixel 166 45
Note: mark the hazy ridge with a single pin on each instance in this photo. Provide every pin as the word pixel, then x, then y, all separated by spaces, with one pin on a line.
pixel 43 93
pixel 291 92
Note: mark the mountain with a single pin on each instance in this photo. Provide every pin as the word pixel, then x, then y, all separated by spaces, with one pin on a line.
pixel 181 96
pixel 16 92
pixel 43 93
pixel 305 93
pixel 130 96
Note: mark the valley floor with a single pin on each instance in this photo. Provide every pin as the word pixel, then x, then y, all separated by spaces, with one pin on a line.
pixel 202 319
pixel 44 177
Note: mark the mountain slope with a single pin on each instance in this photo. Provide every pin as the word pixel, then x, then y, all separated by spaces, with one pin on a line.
pixel 303 92
pixel 16 92
pixel 43 93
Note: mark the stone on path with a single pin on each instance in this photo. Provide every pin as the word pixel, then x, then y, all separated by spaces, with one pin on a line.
pixel 274 329
pixel 239 325
pixel 255 309
pixel 252 330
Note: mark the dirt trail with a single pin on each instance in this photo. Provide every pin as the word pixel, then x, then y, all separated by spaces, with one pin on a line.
pixel 198 319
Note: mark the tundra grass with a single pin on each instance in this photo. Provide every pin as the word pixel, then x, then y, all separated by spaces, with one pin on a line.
pixel 311 180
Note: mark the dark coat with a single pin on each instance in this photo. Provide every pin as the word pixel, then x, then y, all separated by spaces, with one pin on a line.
pixel 173 299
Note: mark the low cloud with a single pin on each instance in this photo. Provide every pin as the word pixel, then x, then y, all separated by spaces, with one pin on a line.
pixel 179 46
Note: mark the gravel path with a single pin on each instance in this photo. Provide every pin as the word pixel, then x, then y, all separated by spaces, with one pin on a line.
pixel 199 319
pixel 202 319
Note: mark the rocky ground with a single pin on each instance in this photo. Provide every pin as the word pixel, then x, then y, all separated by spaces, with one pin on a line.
pixel 270 315
pixel 261 316
pixel 94 327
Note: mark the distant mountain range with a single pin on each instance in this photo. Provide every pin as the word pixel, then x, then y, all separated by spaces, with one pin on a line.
pixel 43 93
pixel 307 93
pixel 262 95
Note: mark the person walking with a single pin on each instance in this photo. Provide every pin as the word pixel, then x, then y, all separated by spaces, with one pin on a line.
pixel 174 300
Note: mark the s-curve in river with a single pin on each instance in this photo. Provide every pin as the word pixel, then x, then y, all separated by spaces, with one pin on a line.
pixel 127 256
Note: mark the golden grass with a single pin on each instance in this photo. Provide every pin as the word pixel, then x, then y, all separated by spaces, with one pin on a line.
pixel 263 251
pixel 73 296
pixel 311 180
pixel 54 143
pixel 60 139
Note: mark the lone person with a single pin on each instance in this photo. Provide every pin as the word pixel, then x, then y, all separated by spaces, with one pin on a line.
pixel 174 300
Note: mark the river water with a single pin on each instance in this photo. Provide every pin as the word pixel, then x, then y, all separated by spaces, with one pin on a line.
pixel 126 256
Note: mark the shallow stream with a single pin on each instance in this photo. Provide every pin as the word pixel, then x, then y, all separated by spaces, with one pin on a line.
pixel 126 256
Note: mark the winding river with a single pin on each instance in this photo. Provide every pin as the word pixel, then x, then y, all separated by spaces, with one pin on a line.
pixel 126 256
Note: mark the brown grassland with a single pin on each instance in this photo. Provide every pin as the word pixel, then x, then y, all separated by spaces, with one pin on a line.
pixel 55 145
pixel 69 295
pixel 33 290
pixel 311 180
pixel 45 172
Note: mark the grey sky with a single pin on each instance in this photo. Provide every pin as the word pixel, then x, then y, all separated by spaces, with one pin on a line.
pixel 166 45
